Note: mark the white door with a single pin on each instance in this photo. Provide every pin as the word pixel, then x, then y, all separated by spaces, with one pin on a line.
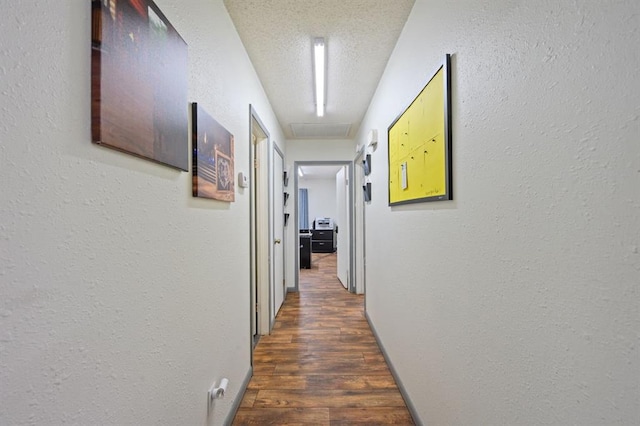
pixel 264 285
pixel 342 220
pixel 254 245
pixel 278 231
pixel 358 224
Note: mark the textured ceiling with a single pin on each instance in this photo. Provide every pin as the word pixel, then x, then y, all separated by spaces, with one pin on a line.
pixel 278 36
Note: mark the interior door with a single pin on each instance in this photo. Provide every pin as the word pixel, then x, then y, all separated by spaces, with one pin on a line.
pixel 254 245
pixel 342 220
pixel 278 230
pixel 265 285
pixel 358 225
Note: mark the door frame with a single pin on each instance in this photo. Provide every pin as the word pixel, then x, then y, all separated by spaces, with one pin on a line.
pixel 350 174
pixel 359 231
pixel 260 231
pixel 279 179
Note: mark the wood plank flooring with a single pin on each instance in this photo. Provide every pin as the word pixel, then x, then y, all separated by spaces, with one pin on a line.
pixel 321 365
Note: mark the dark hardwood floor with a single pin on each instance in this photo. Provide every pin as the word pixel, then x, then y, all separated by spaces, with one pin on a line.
pixel 321 365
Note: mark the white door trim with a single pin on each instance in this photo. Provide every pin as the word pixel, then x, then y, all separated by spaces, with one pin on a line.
pixel 350 191
pixel 260 227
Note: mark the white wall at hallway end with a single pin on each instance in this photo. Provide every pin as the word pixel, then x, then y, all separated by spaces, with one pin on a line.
pixel 123 298
pixel 517 302
pixel 322 197
pixel 324 150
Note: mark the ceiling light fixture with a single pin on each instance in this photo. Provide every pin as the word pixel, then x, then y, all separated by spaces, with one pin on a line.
pixel 319 66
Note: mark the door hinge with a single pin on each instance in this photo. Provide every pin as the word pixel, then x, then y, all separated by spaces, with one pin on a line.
pixel 255 163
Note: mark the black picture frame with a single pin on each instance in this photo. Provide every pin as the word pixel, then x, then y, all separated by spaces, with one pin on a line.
pixel 366 189
pixel 366 164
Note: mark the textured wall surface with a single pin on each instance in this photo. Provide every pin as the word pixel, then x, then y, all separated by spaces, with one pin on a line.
pixel 123 298
pixel 517 302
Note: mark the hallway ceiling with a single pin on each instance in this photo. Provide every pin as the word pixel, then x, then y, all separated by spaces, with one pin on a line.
pixel 320 172
pixel 360 36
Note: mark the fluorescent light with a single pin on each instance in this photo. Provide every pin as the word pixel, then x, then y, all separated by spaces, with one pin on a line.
pixel 319 68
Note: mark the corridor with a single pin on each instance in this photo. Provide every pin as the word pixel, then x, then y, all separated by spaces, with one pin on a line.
pixel 321 365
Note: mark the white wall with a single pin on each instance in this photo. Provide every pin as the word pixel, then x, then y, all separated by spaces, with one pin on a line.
pixel 308 150
pixel 517 302
pixel 323 150
pixel 123 298
pixel 322 197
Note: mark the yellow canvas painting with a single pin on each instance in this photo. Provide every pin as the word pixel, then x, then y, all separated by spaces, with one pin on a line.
pixel 420 145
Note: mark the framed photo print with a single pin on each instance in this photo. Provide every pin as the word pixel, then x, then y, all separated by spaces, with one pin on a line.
pixel 212 157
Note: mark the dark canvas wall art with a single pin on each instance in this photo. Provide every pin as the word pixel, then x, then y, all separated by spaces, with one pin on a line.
pixel 139 82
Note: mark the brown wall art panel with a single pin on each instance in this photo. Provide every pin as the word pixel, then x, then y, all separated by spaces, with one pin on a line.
pixel 139 82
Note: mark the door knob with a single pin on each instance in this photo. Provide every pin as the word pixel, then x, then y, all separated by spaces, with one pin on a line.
pixel 277 241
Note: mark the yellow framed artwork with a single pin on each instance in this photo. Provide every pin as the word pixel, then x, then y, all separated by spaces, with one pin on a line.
pixel 419 143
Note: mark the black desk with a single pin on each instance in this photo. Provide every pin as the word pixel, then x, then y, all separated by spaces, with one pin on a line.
pixel 305 251
pixel 324 241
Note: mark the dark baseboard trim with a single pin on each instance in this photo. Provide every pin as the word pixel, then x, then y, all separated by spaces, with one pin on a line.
pixel 238 400
pixel 394 373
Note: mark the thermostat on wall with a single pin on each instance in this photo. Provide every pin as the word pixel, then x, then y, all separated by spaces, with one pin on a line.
pixel 243 180
pixel 372 139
